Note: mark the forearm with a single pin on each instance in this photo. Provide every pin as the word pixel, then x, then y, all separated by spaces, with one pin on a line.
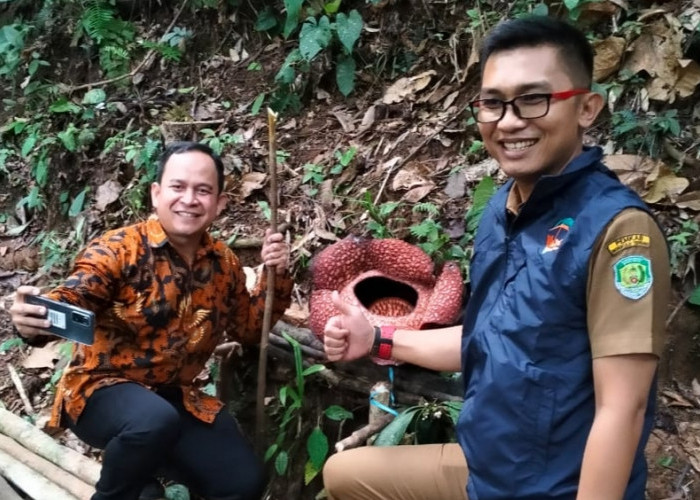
pixel 609 454
pixel 433 349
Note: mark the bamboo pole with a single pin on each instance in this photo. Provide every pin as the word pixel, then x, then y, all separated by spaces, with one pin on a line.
pixel 43 445
pixel 61 478
pixel 30 481
pixel 269 296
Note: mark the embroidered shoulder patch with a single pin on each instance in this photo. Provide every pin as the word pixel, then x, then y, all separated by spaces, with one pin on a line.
pixel 633 277
pixel 628 241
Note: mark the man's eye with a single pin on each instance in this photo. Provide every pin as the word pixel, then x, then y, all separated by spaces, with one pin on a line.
pixel 491 103
pixel 176 187
pixel 532 98
pixel 204 191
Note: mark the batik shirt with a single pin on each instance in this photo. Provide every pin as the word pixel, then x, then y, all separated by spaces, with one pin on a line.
pixel 158 319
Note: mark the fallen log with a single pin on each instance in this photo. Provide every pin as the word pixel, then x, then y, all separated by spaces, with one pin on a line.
pixel 37 441
pixel 361 435
pixel 53 473
pixel 30 481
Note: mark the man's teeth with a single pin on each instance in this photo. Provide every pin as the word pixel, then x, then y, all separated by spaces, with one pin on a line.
pixel 186 214
pixel 514 146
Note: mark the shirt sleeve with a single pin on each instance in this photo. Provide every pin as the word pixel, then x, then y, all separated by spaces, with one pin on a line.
pixel 629 286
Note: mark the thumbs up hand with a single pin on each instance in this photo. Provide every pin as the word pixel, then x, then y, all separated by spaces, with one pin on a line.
pixel 348 335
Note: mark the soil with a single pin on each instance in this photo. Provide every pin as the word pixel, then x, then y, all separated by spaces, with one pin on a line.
pixel 434 139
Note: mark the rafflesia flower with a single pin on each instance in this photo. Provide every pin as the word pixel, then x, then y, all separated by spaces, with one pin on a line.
pixel 393 282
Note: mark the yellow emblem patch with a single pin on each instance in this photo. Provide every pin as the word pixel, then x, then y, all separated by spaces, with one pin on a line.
pixel 631 240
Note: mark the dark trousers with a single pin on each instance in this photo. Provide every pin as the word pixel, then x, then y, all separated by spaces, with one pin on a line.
pixel 145 433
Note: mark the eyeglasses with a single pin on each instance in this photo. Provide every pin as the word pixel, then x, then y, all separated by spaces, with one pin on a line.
pixel 526 106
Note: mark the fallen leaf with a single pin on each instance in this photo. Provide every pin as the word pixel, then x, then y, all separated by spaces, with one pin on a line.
pixel 107 193
pixel 368 118
pixel 344 119
pixel 633 170
pixel 456 186
pixel 696 387
pixel 407 87
pixel 251 182
pixel 408 178
pixel 689 77
pixel 450 99
pixel 689 200
pixel 418 193
pixel 608 56
pixel 666 185
pixel 43 357
pixel 474 173
pixel 677 399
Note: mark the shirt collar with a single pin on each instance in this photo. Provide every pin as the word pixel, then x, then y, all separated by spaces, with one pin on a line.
pixel 157 237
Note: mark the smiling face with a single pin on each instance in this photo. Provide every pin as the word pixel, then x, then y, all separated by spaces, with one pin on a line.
pixel 187 198
pixel 528 149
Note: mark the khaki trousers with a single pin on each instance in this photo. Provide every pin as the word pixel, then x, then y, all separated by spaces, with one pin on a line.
pixel 421 472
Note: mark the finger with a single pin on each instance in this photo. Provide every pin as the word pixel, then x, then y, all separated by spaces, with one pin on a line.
pixel 24 321
pixel 334 342
pixel 340 304
pixel 26 290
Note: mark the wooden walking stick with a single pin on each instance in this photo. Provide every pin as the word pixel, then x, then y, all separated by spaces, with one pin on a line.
pixel 269 296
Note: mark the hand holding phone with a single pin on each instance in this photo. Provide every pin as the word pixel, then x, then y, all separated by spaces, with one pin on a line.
pixel 67 321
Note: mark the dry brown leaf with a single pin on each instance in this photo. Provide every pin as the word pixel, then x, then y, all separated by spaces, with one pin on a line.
pixel 251 182
pixel 408 178
pixel 677 399
pixel 450 99
pixel 344 119
pixel 107 193
pixel 43 357
pixel 633 170
pixel 407 87
pixel 608 56
pixel 689 77
pixel 666 185
pixel 418 193
pixel 473 54
pixel 689 200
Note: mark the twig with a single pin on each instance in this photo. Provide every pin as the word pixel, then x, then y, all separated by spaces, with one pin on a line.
pixel 147 57
pixel 227 348
pixel 681 157
pixel 269 296
pixel 677 309
pixel 195 122
pixel 363 433
pixel 20 389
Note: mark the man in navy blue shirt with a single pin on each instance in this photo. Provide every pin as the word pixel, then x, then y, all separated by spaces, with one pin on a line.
pixel 570 284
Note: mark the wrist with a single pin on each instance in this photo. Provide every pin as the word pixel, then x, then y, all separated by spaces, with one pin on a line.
pixel 383 344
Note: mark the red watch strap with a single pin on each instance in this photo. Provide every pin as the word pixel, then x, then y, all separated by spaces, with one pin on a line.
pixel 386 342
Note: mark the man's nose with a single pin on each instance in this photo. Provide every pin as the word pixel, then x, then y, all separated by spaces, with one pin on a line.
pixel 188 196
pixel 510 117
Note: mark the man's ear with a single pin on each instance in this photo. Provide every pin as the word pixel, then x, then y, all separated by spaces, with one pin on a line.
pixel 155 192
pixel 221 204
pixel 591 105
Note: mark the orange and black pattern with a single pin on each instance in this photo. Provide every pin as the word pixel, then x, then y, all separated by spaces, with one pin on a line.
pixel 158 319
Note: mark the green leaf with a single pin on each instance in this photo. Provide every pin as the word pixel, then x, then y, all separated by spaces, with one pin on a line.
pixel 265 208
pixel 312 369
pixel 348 29
pixel 270 451
pixel 77 205
pixel 310 472
pixel 337 413
pixel 482 194
pixel 541 9
pixel 695 297
pixel 266 20
pixel 286 74
pixel 571 4
pixel 67 138
pixel 63 105
pixel 177 492
pixel 393 433
pixel 257 104
pixel 317 446
pixel 345 75
pixel 11 344
pixel 293 8
pixel 281 462
pixel 283 395
pixel 331 7
pixel 314 37
pixel 95 96
pixel 28 145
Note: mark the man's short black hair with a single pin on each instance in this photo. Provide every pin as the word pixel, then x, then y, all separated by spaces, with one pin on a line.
pixel 533 31
pixel 184 147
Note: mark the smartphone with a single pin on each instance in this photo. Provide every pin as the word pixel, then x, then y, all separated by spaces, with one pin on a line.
pixel 67 321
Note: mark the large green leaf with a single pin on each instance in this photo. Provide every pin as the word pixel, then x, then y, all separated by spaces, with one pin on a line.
pixel 310 472
pixel 314 37
pixel 345 75
pixel 63 105
pixel 293 10
pixel 337 413
pixel 348 29
pixel 392 434
pixel 78 202
pixel 281 463
pixel 317 446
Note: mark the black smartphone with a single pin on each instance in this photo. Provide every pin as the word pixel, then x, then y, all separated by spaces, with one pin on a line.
pixel 67 321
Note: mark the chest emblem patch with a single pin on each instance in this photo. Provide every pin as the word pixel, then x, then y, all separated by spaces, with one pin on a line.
pixel 557 234
pixel 633 276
